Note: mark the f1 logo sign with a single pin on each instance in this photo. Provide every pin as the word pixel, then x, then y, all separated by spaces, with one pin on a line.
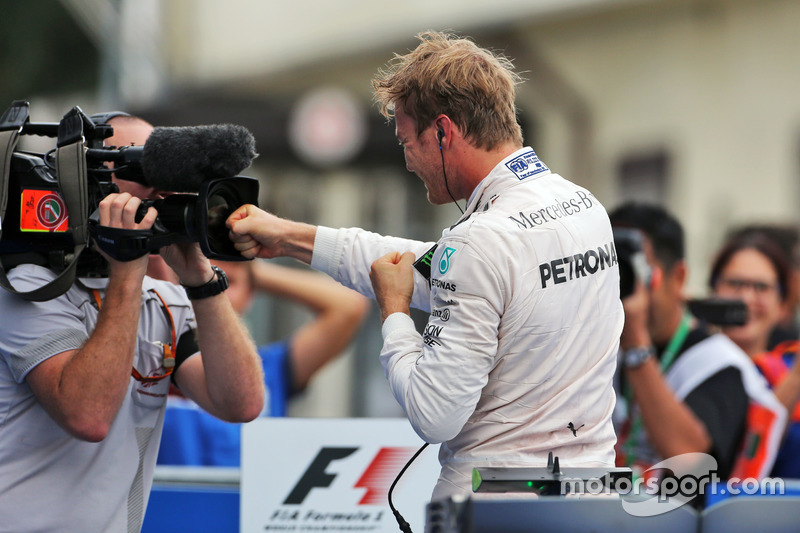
pixel 376 478
pixel 315 475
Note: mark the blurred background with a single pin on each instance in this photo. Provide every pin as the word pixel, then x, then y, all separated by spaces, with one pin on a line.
pixel 692 104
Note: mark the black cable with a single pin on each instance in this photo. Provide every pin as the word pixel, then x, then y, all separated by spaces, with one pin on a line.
pixel 49 159
pixel 441 152
pixel 405 527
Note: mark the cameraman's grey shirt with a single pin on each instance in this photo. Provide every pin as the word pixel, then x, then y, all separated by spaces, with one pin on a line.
pixel 49 480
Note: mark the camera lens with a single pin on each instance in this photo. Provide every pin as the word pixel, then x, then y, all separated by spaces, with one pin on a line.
pixel 175 213
pixel 627 277
pixel 218 210
pixel 201 217
pixel 633 266
pixel 218 199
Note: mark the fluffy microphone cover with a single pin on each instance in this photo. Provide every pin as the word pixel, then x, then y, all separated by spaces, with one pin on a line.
pixel 181 159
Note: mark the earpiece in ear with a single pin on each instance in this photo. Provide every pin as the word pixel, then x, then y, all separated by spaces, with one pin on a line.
pixel 440 136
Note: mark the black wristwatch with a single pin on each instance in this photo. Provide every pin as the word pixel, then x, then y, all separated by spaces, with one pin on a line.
pixel 216 286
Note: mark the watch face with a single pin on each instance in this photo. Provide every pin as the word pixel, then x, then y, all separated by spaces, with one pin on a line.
pixel 634 357
pixel 222 278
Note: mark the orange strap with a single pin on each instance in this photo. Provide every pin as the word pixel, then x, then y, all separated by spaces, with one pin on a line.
pixel 755 443
pixel 772 364
pixel 774 367
pixel 168 350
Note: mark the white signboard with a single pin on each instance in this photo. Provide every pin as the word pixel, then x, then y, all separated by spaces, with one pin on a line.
pixel 333 475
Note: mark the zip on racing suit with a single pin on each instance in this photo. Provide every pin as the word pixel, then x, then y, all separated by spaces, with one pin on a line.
pixel 524 327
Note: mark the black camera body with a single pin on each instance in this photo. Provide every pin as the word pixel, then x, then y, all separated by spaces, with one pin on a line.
pixel 633 268
pixel 36 190
pixel 196 218
pixel 40 211
pixel 35 224
pixel 632 262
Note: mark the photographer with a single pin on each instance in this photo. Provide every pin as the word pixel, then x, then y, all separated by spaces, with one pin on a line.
pixel 683 388
pixel 517 357
pixel 84 382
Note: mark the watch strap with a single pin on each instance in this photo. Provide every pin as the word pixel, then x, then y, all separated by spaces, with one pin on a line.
pixel 215 286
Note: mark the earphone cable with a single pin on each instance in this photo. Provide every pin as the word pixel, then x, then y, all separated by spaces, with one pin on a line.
pixel 444 173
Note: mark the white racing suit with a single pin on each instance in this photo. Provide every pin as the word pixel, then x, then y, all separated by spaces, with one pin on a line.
pixel 524 327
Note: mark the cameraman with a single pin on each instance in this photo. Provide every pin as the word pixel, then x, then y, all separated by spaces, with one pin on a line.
pixel 683 388
pixel 517 358
pixel 84 380
pixel 192 437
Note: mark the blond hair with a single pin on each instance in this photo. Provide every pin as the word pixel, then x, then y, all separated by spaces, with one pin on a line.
pixel 449 75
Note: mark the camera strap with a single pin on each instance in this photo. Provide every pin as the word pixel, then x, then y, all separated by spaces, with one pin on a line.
pixel 10 128
pixel 121 244
pixel 71 169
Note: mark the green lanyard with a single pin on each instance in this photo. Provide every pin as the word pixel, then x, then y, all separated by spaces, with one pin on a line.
pixel 667 358
pixel 676 342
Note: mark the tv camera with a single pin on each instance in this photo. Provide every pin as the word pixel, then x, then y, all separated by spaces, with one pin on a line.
pixel 48 201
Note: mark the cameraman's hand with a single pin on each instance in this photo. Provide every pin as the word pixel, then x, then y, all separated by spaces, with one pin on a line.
pixel 256 233
pixel 118 210
pixel 635 333
pixel 186 259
